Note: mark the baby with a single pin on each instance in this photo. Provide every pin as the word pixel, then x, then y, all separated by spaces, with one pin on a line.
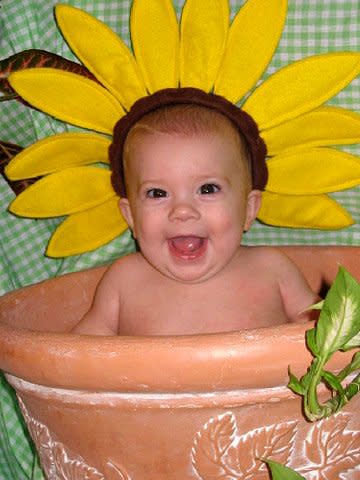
pixel 189 195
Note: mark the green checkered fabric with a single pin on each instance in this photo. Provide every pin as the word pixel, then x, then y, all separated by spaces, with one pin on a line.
pixel 312 27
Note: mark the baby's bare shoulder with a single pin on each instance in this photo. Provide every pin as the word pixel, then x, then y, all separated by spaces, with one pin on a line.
pixel 268 256
pixel 278 268
pixel 271 262
pixel 125 267
pixel 131 260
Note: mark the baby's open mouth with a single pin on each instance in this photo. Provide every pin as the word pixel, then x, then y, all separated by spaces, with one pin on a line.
pixel 187 246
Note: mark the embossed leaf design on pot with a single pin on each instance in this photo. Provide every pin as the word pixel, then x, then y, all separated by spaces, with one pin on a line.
pixel 41 434
pixel 42 439
pixel 56 462
pixel 219 453
pixel 211 445
pixel 332 450
pixel 122 475
pixel 273 441
pixel 73 468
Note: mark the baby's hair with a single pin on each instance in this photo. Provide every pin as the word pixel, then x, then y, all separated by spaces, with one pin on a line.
pixel 189 111
pixel 187 121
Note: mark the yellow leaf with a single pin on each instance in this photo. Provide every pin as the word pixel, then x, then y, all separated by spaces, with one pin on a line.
pixel 56 153
pixel 253 37
pixel 204 28
pixel 65 192
pixel 155 40
pixel 312 171
pixel 310 211
pixel 301 87
pixel 85 231
pixel 102 52
pixel 68 97
pixel 323 126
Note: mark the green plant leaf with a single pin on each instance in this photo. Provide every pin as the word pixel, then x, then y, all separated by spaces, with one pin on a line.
pixel 316 306
pixel 280 472
pixel 295 385
pixel 311 341
pixel 338 328
pixel 306 379
pixel 333 381
pixel 354 342
pixel 355 363
pixel 352 367
pixel 339 398
pixel 339 320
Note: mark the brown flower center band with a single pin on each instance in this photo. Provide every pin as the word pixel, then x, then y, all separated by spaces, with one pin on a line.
pixel 243 122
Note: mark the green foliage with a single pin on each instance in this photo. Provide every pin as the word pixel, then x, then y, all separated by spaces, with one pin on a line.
pixel 280 472
pixel 337 329
pixel 339 320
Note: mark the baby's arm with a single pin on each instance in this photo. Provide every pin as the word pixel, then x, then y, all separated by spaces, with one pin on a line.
pixel 295 291
pixel 103 316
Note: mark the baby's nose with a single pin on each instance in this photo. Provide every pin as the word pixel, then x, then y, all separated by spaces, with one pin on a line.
pixel 184 211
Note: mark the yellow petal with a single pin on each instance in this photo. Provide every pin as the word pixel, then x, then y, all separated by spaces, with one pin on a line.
pixel 323 126
pixel 155 40
pixel 68 97
pixel 301 87
pixel 313 171
pixel 204 28
pixel 310 211
pixel 85 231
pixel 56 153
pixel 253 37
pixel 103 53
pixel 62 193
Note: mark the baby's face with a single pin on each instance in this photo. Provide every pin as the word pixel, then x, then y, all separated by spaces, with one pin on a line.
pixel 188 202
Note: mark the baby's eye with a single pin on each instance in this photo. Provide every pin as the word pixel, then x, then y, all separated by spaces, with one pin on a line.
pixel 209 188
pixel 156 193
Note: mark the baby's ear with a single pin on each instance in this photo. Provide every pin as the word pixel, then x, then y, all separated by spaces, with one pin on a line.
pixel 125 209
pixel 253 206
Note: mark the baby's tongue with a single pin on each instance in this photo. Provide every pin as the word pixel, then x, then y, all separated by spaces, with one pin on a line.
pixel 187 244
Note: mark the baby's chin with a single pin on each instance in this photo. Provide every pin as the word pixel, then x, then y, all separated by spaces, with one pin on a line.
pixel 187 266
pixel 188 274
pixel 188 260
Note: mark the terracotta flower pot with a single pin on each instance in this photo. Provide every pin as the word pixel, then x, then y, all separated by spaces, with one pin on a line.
pixel 187 407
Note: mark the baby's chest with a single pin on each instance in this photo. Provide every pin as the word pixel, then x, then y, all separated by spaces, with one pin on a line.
pixel 179 311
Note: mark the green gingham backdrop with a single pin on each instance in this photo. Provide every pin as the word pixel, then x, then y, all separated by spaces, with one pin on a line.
pixel 312 27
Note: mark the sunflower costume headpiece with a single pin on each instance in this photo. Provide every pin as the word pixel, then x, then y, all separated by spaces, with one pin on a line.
pixel 189 96
pixel 207 54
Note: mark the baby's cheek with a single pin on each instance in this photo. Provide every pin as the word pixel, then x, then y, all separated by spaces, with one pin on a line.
pixel 227 223
pixel 149 223
pixel 227 236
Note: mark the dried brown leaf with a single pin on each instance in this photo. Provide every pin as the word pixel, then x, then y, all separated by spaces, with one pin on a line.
pixel 7 152
pixel 34 58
